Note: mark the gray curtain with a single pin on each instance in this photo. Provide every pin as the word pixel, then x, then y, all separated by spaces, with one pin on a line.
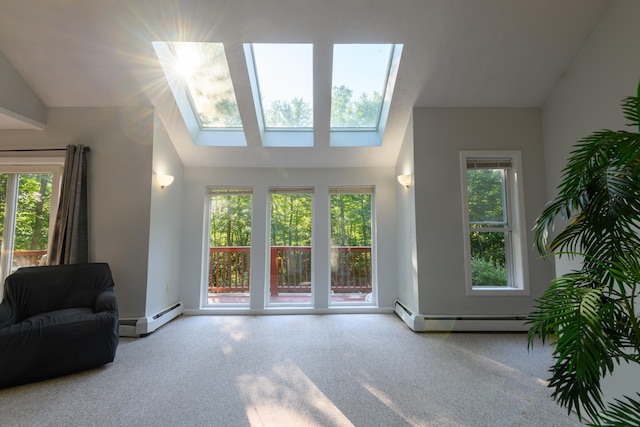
pixel 70 243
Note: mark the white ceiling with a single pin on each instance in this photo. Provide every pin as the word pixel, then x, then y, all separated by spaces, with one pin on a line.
pixel 457 53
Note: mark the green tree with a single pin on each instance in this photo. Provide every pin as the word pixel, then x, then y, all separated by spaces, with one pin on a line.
pixel 32 215
pixel 290 219
pixel 485 189
pixel 230 219
pixel 210 84
pixel 296 113
pixel 351 219
pixel 347 112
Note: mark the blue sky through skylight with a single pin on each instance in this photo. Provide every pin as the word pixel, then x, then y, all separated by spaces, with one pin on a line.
pixel 361 67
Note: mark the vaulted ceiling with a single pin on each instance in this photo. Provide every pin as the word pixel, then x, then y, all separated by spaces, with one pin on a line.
pixel 457 53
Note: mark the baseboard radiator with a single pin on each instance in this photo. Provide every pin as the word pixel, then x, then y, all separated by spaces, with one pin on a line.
pixel 137 327
pixel 464 323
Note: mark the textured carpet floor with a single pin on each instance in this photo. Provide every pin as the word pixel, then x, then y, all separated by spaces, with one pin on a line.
pixel 314 370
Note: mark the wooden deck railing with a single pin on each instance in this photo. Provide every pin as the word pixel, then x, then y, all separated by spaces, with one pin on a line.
pixel 290 269
pixel 27 258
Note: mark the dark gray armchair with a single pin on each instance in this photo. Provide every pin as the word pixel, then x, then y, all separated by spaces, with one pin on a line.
pixel 55 320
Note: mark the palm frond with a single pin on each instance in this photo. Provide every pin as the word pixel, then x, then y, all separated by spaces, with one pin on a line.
pixel 631 110
pixel 599 185
pixel 621 413
pixel 570 311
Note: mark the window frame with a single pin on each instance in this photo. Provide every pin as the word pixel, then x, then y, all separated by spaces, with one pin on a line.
pixel 360 189
pixel 515 237
pixel 310 190
pixel 30 165
pixel 211 191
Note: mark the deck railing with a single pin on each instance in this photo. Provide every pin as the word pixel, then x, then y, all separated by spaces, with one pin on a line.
pixel 28 258
pixel 290 269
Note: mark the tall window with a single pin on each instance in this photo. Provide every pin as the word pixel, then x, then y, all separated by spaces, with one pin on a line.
pixel 290 249
pixel 28 200
pixel 351 237
pixel 493 216
pixel 229 245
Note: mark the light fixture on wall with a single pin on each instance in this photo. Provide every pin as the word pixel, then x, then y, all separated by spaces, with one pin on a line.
pixel 404 180
pixel 164 180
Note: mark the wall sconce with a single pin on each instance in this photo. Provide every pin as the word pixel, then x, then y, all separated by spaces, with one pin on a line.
pixel 404 180
pixel 164 180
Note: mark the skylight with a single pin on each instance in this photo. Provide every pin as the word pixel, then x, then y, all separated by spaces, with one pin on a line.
pixel 284 75
pixel 359 80
pixel 276 92
pixel 206 72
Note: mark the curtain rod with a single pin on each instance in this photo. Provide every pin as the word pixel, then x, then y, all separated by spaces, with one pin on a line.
pixel 19 150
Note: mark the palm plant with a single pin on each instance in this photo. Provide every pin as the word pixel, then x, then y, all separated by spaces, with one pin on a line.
pixel 590 315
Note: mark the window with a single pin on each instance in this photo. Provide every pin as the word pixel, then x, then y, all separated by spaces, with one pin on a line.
pixel 285 83
pixel 495 244
pixel 290 249
pixel 363 79
pixel 359 80
pixel 28 203
pixel 351 245
pixel 200 80
pixel 281 76
pixel 229 245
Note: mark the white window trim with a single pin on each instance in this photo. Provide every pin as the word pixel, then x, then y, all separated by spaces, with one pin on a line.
pixel 517 256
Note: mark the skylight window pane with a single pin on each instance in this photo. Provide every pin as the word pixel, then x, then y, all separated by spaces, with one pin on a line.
pixel 360 73
pixel 206 71
pixel 285 82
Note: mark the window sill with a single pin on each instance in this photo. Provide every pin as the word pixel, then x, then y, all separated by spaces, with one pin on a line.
pixel 497 291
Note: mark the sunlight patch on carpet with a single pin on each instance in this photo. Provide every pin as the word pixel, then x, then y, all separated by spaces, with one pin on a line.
pixel 287 397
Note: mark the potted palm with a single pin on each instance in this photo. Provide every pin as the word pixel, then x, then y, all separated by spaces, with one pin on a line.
pixel 590 315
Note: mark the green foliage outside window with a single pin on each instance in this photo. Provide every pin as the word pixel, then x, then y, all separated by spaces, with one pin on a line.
pixel 486 206
pixel 351 220
pixel 32 215
pixel 345 111
pixel 230 220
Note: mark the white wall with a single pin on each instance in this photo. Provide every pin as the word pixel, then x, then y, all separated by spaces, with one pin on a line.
pixel 406 222
pixel 606 70
pixel 165 235
pixel 195 216
pixel 17 99
pixel 439 136
pixel 119 181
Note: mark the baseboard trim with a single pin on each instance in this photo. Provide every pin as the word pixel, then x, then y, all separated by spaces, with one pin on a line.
pixel 285 310
pixel 137 327
pixel 460 323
